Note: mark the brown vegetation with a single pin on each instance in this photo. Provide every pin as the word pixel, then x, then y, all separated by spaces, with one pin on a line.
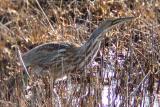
pixel 28 23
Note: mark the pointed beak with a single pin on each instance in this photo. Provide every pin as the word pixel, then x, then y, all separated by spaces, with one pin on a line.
pixel 121 20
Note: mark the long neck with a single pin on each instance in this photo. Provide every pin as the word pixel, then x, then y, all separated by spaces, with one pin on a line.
pixel 93 43
pixel 89 50
pixel 96 34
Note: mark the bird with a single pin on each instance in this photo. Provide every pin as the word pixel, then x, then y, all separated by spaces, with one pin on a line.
pixel 63 58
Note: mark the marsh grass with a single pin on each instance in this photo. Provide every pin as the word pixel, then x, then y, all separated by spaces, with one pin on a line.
pixel 128 64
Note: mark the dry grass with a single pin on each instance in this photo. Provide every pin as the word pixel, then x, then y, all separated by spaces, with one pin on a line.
pixel 26 24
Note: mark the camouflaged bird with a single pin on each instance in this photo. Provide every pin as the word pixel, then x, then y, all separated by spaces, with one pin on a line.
pixel 65 58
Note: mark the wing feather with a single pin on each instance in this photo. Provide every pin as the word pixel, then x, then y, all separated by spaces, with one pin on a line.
pixel 44 53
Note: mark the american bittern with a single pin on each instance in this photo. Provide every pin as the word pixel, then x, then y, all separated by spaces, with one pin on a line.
pixel 66 57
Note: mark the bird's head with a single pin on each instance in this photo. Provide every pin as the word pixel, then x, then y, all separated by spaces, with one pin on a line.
pixel 109 23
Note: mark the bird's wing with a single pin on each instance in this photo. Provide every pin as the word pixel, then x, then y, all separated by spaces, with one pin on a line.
pixel 45 53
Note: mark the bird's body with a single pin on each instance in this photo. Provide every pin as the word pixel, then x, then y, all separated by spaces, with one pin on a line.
pixel 51 56
pixel 64 58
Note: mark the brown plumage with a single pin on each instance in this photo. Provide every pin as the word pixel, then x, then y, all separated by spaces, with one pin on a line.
pixel 65 58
